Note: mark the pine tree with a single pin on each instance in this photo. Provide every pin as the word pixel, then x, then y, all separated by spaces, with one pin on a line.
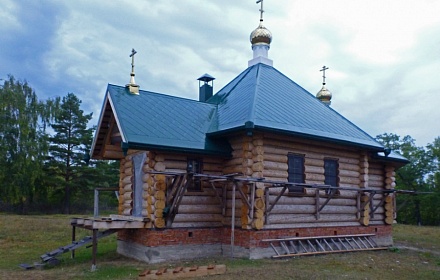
pixel 68 146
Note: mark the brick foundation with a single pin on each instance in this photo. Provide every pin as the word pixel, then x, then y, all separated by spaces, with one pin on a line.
pixel 172 244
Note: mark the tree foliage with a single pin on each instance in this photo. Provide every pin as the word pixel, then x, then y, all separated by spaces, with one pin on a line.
pixel 69 144
pixel 23 143
pixel 418 175
pixel 43 172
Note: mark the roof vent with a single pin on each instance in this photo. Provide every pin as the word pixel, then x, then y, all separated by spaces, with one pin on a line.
pixel 132 86
pixel 205 89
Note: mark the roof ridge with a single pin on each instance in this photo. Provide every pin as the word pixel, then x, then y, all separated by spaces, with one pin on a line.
pixel 257 84
pixel 163 94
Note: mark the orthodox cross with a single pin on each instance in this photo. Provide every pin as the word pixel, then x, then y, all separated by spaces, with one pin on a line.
pixel 133 52
pixel 323 73
pixel 261 9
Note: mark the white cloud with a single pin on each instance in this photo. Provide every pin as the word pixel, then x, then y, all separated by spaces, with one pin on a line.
pixel 383 55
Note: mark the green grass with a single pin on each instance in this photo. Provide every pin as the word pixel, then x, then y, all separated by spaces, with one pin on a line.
pixel 24 238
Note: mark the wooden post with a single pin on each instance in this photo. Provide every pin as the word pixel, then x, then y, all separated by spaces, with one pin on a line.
pixel 233 220
pixel 72 254
pixel 94 249
pixel 96 204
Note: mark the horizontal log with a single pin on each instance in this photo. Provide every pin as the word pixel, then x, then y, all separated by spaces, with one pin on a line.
pixel 275 157
pixel 176 164
pixel 314 162
pixel 311 209
pixel 196 224
pixel 376 178
pixel 199 209
pixel 234 161
pixel 315 177
pixel 199 200
pixel 212 167
pixel 293 201
pixel 311 193
pixel 310 218
pixel 198 218
pixel 275 173
pixel 308 225
pixel 349 180
pixel 314 169
pixel 349 167
pixel 348 173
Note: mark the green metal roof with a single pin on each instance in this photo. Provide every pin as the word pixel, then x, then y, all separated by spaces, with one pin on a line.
pixel 153 120
pixel 262 98
pixel 259 99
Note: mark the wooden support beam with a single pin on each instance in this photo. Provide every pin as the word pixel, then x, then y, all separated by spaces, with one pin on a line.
pixel 94 248
pixel 277 198
pixel 72 254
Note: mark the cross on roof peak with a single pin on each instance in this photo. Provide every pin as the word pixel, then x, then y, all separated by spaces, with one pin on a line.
pixel 323 73
pixel 261 9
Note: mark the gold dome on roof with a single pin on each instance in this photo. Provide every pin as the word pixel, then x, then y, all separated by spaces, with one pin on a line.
pixel 261 35
pixel 324 95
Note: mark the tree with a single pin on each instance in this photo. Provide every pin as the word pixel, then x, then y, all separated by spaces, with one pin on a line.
pixel 412 176
pixel 68 146
pixel 434 184
pixel 23 143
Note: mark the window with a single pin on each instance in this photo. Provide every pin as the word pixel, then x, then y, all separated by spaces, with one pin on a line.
pixel 194 166
pixel 331 173
pixel 296 172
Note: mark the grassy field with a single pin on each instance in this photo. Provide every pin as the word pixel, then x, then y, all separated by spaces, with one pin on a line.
pixel 24 238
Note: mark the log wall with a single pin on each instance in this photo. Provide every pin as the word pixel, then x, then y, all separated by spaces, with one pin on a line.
pixel 264 156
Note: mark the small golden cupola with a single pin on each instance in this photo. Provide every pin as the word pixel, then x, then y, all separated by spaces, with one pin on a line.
pixel 132 86
pixel 324 94
pixel 260 39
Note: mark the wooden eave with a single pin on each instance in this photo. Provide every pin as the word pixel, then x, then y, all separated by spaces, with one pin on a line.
pixel 107 144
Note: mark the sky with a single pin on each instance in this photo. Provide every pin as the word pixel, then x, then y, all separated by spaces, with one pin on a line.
pixel 383 56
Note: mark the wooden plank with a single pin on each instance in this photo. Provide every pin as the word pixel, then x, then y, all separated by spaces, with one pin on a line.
pixel 183 272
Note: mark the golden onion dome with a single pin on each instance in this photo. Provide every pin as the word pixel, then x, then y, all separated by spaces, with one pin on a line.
pixel 324 95
pixel 261 35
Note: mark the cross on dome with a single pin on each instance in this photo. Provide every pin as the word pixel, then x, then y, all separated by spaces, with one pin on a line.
pixel 261 9
pixel 323 73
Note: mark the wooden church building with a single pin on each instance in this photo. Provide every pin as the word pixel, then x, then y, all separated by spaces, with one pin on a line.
pixel 262 160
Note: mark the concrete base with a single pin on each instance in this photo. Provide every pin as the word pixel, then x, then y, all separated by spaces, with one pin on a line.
pixel 186 252
pixel 167 253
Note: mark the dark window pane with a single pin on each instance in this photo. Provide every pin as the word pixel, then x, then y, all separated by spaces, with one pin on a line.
pixel 331 172
pixel 194 166
pixel 296 172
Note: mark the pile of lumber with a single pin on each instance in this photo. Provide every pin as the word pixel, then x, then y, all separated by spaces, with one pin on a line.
pixel 183 272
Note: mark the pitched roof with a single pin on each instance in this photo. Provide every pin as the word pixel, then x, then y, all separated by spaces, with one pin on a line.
pixel 259 99
pixel 263 98
pixel 153 120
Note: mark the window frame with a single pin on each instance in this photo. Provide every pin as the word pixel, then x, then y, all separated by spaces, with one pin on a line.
pixel 331 173
pixel 194 165
pixel 291 157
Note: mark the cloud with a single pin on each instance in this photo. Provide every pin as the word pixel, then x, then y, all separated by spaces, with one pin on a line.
pixel 382 54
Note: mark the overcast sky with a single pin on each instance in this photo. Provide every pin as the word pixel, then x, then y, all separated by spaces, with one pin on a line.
pixel 383 55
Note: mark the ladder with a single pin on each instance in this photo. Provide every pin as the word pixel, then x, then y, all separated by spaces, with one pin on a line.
pixel 50 257
pixel 75 245
pixel 300 246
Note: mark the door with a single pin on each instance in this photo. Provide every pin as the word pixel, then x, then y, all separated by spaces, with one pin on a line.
pixel 138 162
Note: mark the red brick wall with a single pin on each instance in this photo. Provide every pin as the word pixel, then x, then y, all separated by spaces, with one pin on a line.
pixel 243 238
